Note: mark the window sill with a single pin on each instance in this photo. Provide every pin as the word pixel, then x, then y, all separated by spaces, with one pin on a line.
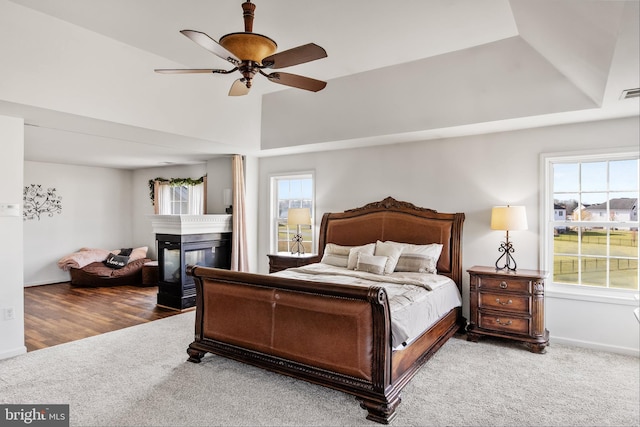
pixel 605 296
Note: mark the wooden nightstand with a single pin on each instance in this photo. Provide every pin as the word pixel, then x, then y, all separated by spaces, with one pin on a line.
pixel 509 305
pixel 283 260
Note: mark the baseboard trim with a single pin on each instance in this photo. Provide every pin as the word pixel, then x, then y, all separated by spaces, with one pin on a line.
pixel 628 351
pixel 13 352
pixel 28 285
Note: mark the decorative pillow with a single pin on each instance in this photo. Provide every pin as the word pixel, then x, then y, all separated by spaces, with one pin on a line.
pixel 416 263
pixel 371 263
pixel 392 252
pixel 368 249
pixel 125 251
pixel 336 255
pixel 432 250
pixel 138 253
pixel 116 261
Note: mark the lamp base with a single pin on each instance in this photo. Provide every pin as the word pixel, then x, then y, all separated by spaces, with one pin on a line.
pixel 508 263
pixel 297 247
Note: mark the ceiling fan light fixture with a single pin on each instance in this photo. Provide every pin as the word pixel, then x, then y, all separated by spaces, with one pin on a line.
pixel 249 46
pixel 250 53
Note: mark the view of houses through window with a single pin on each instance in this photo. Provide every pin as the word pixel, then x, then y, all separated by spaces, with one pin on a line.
pixel 291 191
pixel 594 222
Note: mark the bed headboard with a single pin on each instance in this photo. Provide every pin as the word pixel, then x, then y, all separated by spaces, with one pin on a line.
pixel 390 219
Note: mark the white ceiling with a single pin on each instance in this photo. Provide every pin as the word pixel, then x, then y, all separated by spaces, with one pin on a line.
pixel 590 50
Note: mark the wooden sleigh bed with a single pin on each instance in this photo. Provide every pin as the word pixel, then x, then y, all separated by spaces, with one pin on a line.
pixel 335 335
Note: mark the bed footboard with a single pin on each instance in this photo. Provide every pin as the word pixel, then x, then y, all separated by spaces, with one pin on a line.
pixel 336 336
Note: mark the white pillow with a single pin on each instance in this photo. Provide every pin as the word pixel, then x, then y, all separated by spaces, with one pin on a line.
pixel 416 263
pixel 336 255
pixel 368 249
pixel 432 250
pixel 371 263
pixel 391 251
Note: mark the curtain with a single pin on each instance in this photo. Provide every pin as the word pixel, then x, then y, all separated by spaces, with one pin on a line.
pixel 196 199
pixel 163 198
pixel 239 259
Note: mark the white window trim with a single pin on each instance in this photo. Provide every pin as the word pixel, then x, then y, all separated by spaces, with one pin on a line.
pixel 273 208
pixel 576 292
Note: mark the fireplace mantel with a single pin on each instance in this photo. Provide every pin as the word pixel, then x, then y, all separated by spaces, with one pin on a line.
pixel 191 224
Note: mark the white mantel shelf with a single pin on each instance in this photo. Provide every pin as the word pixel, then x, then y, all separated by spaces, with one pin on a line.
pixel 191 224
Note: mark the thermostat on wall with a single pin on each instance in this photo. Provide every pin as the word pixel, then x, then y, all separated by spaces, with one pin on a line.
pixel 9 209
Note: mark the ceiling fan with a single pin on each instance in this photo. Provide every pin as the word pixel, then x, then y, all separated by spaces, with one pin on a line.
pixel 251 53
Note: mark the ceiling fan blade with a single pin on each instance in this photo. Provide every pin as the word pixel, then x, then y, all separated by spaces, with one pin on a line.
pixel 183 71
pixel 295 56
pixel 238 88
pixel 294 80
pixel 211 45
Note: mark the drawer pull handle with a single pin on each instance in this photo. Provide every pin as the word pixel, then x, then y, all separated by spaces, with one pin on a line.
pixel 503 303
pixel 507 323
pixel 503 285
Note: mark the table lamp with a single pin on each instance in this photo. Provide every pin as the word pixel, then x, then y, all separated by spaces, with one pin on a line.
pixel 298 217
pixel 508 218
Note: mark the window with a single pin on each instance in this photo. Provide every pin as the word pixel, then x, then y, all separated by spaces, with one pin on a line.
pixel 291 191
pixel 179 196
pixel 591 221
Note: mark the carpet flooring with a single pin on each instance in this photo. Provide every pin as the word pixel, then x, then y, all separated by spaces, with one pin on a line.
pixel 139 376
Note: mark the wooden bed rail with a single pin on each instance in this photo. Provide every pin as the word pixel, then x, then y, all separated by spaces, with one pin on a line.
pixel 269 281
pixel 371 385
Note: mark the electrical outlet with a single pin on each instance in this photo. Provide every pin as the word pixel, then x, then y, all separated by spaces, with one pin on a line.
pixel 9 313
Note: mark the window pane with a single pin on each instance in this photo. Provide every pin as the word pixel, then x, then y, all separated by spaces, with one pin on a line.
pixel 593 242
pixel 624 243
pixel 283 189
pixel 565 269
pixel 594 271
pixel 590 199
pixel 594 207
pixel 623 175
pixel 593 176
pixel 567 242
pixel 624 273
pixel 564 205
pixel 565 177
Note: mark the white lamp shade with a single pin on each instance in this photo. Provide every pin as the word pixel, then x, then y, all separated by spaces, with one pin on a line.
pixel 299 216
pixel 509 218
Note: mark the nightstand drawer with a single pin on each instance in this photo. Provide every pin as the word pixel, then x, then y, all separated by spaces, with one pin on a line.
pixel 497 322
pixel 510 284
pixel 503 301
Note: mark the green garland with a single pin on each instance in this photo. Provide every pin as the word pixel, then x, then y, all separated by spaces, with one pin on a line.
pixel 173 182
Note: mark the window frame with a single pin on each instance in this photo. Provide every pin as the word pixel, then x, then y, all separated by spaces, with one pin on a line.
pixel 273 208
pixel 575 291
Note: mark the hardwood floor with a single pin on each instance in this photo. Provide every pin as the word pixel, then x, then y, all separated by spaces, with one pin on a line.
pixel 59 313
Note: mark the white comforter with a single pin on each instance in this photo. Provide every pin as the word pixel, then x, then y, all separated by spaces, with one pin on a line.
pixel 416 300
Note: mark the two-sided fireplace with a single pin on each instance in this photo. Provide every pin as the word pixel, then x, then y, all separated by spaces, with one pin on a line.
pixel 188 240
